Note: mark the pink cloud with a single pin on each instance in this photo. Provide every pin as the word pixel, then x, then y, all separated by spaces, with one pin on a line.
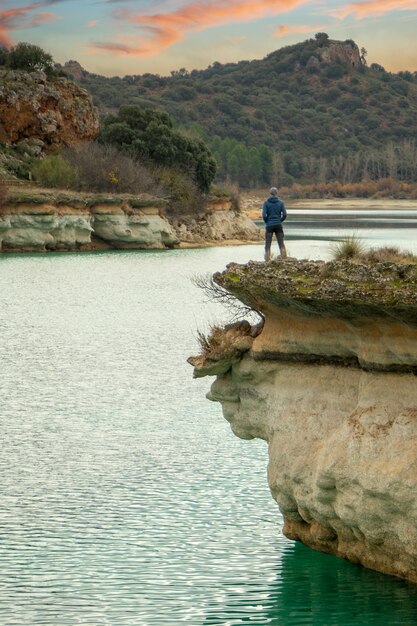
pixel 39 19
pixel 13 19
pixel 369 8
pixel 165 29
pixel 298 29
pixel 92 23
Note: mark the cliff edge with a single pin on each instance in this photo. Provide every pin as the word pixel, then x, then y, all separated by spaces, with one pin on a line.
pixel 329 381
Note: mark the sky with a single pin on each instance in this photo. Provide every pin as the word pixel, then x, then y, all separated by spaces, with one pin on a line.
pixel 119 37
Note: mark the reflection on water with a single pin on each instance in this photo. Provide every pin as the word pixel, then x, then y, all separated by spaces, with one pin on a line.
pixel 125 499
pixel 313 589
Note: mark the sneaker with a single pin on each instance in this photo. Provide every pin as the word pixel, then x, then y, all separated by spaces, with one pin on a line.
pixel 267 256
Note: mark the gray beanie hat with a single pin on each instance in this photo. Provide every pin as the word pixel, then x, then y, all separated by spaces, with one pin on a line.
pixel 273 191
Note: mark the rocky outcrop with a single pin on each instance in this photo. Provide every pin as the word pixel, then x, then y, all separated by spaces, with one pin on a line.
pixel 55 111
pixel 219 223
pixel 38 222
pixel 330 384
pixel 74 69
pixel 345 53
pixel 341 52
pixel 68 222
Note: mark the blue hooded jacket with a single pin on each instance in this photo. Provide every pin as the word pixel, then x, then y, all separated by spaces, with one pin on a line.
pixel 273 211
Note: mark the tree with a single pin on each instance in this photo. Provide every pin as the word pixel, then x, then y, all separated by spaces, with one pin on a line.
pixel 149 135
pixel 364 52
pixel 30 58
pixel 4 55
pixel 322 39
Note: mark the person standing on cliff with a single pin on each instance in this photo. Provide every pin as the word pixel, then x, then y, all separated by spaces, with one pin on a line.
pixel 273 214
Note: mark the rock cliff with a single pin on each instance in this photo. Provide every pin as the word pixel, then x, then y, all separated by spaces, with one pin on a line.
pixel 330 383
pixel 341 52
pixel 56 112
pixel 38 222
pixel 69 222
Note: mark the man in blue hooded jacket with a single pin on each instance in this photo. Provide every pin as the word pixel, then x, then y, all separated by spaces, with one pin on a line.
pixel 273 214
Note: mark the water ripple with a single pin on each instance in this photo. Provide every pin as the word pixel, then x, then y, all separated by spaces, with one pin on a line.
pixel 125 499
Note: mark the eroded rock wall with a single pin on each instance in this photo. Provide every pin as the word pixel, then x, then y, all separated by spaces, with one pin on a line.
pixel 38 228
pixel 83 223
pixel 219 223
pixel 342 454
pixel 330 384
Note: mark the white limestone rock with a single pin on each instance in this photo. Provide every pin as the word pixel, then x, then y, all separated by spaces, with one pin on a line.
pixel 140 231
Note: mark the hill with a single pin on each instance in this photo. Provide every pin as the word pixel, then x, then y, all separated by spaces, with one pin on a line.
pixel 310 111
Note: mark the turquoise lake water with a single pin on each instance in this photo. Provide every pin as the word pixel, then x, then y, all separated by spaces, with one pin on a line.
pixel 125 498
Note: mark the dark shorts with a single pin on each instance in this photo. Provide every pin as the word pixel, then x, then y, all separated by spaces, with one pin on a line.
pixel 275 229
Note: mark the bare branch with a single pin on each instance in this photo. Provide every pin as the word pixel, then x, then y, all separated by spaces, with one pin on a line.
pixel 216 293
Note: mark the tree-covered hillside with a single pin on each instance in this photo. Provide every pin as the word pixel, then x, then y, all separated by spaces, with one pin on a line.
pixel 302 112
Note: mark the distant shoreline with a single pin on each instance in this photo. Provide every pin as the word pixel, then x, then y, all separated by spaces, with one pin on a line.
pixel 251 204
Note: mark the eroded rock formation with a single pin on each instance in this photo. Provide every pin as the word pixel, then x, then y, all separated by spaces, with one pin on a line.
pixel 218 223
pixel 330 384
pixel 57 112
pixel 38 222
pixel 69 222
pixel 341 52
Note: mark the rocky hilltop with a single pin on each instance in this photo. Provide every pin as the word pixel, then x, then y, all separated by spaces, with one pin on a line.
pixel 329 381
pixel 55 111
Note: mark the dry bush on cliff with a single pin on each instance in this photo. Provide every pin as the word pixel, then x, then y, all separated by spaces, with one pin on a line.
pixel 348 248
pixel 218 343
pixel 353 249
pixel 388 254
pixel 226 342
pixel 105 169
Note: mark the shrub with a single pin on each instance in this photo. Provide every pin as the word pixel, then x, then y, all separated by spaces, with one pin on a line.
pixel 54 171
pixel 185 197
pixel 390 254
pixel 30 58
pixel 150 135
pixel 105 169
pixel 349 248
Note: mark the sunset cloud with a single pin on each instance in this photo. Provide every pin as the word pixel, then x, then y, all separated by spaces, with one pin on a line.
pixel 24 17
pixel 298 29
pixel 374 8
pixel 161 30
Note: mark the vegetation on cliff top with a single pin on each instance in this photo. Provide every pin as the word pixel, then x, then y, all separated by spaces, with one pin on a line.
pixel 369 280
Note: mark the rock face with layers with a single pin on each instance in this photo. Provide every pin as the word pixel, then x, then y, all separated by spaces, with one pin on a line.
pixel 69 222
pixel 38 222
pixel 57 112
pixel 330 383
